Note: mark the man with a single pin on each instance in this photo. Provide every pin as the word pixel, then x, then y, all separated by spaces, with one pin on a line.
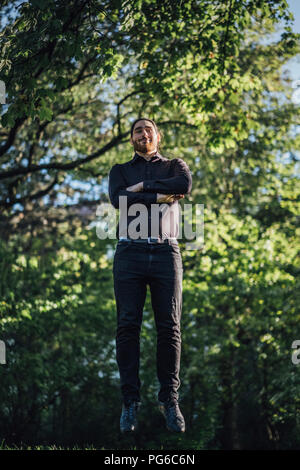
pixel 148 180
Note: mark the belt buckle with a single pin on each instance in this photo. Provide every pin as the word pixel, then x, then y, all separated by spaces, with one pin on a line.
pixel 151 238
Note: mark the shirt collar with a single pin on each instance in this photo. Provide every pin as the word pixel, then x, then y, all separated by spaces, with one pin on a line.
pixel 157 156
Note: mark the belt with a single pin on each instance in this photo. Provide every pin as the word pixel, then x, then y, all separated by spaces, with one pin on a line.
pixel 149 240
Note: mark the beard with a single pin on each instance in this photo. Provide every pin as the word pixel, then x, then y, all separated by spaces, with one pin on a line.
pixel 144 147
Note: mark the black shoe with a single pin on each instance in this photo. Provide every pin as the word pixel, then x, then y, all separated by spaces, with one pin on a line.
pixel 174 419
pixel 128 420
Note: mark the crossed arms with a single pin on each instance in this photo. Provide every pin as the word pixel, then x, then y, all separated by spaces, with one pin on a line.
pixel 150 191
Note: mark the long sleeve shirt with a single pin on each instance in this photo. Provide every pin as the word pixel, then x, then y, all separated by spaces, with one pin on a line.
pixel 160 175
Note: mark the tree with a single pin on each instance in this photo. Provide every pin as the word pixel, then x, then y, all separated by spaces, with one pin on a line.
pixel 51 50
pixel 202 72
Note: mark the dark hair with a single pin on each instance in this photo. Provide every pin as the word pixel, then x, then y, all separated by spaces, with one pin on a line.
pixel 143 119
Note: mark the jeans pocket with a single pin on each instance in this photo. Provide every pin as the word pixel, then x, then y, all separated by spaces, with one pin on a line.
pixel 174 247
pixel 121 250
pixel 176 254
pixel 121 247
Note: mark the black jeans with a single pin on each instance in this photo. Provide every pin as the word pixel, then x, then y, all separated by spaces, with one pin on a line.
pixel 159 265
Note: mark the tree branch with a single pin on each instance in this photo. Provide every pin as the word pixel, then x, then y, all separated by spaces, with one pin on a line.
pixel 63 166
pixel 30 197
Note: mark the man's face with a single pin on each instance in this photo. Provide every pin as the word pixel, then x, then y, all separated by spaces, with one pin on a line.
pixel 144 137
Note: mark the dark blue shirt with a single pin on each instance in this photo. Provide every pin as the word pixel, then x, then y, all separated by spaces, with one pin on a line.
pixel 160 175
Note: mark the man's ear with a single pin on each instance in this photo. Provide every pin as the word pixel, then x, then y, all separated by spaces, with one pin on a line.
pixel 131 141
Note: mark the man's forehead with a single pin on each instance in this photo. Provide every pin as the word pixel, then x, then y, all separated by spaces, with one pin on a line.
pixel 141 124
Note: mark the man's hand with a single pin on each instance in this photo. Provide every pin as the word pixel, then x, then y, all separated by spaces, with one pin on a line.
pixel 136 188
pixel 168 197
